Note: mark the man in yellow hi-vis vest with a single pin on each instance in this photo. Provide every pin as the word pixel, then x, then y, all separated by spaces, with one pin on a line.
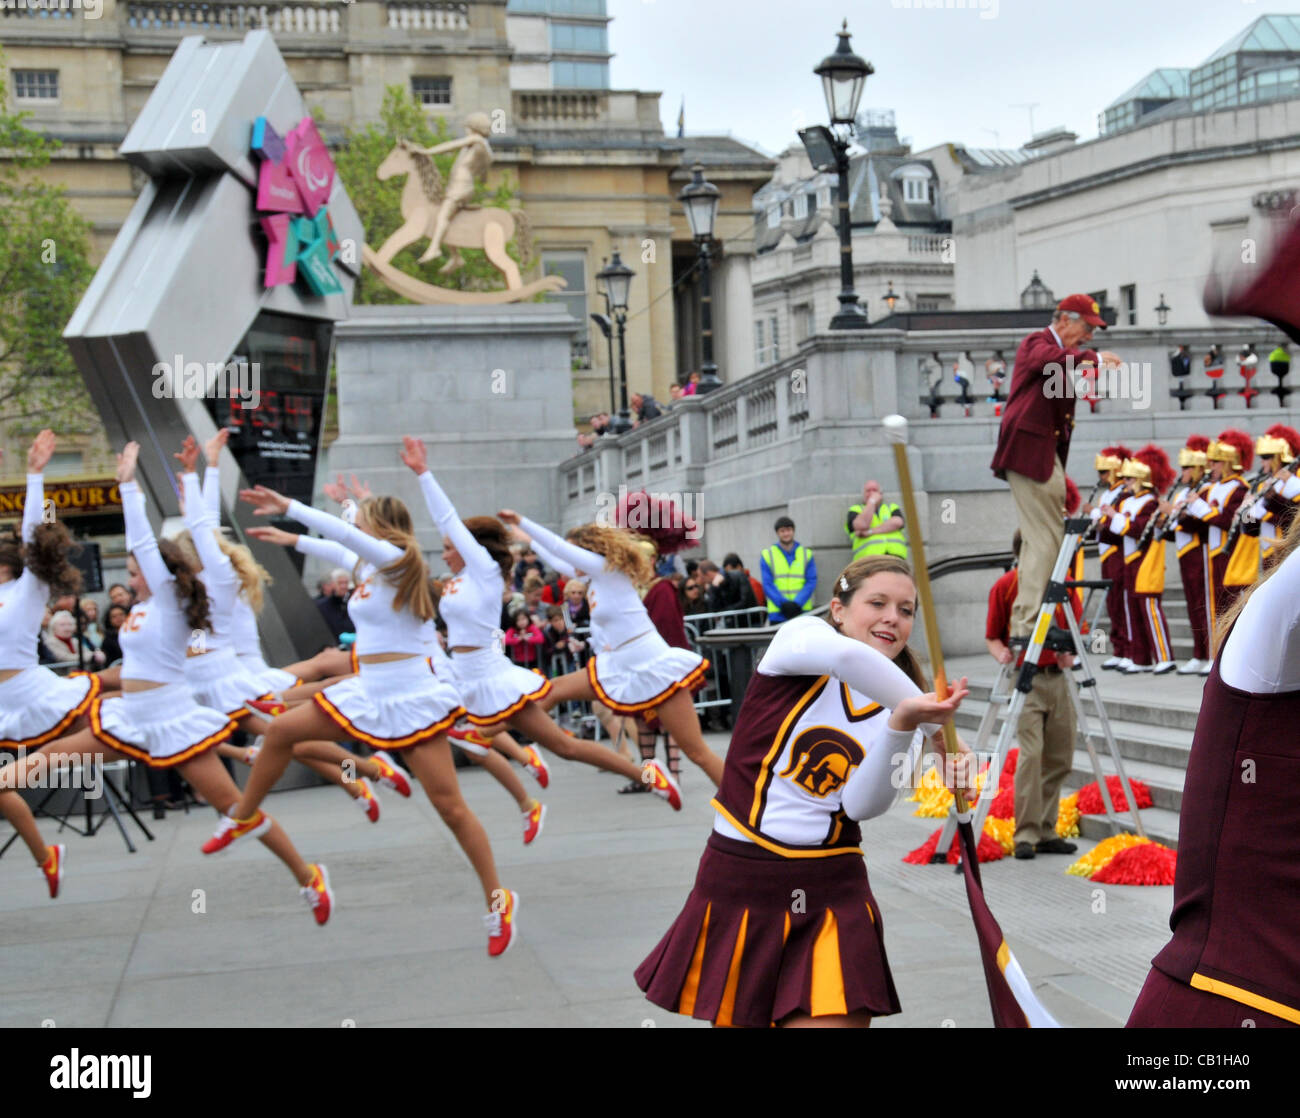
pixel 875 527
pixel 789 575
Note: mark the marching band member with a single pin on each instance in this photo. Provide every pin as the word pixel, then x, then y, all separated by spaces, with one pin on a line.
pixel 1109 551
pixel 1151 649
pixel 1231 959
pixel 1228 455
pixel 1189 535
pixel 1270 515
pixel 781 926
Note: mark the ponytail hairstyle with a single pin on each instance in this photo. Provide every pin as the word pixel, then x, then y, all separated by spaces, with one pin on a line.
pixel 46 556
pixel 191 594
pixel 493 537
pixel 848 584
pixel 620 549
pixel 1289 543
pixel 389 519
pixel 253 577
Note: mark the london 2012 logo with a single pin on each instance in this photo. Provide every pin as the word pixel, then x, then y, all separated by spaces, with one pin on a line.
pixel 293 187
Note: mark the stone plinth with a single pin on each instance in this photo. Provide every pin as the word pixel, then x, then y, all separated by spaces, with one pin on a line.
pixel 489 389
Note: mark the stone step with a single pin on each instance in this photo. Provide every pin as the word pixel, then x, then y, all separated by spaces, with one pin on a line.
pixel 1160 825
pixel 1126 700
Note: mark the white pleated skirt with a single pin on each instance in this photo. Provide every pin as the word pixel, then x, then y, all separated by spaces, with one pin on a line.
pixel 271 679
pixel 638 676
pixel 221 682
pixel 492 687
pixel 37 706
pixel 162 727
pixel 392 705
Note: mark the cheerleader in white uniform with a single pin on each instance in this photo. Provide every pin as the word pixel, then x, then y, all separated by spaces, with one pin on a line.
pixel 221 681
pixel 634 670
pixel 493 689
pixel 156 720
pixel 395 702
pixel 36 705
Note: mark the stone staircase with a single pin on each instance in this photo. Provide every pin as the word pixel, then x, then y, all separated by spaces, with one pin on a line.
pixel 1152 719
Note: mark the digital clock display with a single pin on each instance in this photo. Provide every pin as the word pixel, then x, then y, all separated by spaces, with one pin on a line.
pixel 276 440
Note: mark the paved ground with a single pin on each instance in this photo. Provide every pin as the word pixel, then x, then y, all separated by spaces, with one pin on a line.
pixel 124 945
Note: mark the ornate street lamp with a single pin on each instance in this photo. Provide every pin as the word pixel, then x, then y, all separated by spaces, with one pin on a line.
pixel 700 200
pixel 890 297
pixel 843 76
pixel 1162 311
pixel 617 278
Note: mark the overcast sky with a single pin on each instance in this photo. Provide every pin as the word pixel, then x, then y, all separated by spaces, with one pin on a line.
pixel 745 66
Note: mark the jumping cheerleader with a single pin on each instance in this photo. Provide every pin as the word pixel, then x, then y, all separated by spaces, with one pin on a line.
pixel 36 706
pixel 220 681
pixel 781 927
pixel 493 689
pixel 396 702
pixel 156 720
pixel 1231 960
pixel 635 671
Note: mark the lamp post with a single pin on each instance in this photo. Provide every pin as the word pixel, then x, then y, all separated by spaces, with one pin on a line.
pixel 1162 311
pixel 890 297
pixel 843 76
pixel 700 200
pixel 617 278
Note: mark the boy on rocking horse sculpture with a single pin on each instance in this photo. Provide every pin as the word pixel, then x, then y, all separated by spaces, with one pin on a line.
pixel 471 164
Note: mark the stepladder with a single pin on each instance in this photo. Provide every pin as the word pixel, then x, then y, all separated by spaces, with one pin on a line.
pixel 1015 681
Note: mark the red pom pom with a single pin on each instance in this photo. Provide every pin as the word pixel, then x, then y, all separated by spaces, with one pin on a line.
pixel 1148 863
pixel 1090 796
pixel 922 854
pixel 1004 804
pixel 1009 765
pixel 988 850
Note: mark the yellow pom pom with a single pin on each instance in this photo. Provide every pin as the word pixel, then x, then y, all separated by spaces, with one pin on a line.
pixel 1102 853
pixel 1067 816
pixel 1002 831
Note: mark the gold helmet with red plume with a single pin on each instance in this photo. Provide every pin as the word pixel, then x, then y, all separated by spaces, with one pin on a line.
pixel 1279 440
pixel 1159 473
pixel 1233 446
pixel 1193 452
pixel 1112 458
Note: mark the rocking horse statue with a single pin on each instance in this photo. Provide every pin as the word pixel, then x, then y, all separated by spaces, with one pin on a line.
pixel 444 214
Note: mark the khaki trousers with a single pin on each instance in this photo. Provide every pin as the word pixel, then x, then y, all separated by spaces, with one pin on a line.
pixel 1041 508
pixel 1046 730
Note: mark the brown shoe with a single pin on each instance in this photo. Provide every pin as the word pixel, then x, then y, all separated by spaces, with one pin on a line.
pixel 1055 846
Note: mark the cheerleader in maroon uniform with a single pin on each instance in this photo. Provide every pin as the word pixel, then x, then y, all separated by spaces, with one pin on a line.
pixel 156 720
pixel 781 927
pixel 36 706
pixel 1232 958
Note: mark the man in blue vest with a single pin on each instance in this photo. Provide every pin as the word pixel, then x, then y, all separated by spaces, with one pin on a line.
pixel 875 527
pixel 789 575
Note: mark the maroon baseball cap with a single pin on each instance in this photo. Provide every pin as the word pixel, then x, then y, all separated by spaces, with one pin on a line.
pixel 1084 305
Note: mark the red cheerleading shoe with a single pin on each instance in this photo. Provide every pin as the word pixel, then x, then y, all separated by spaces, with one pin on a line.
pixel 318 895
pixel 533 820
pixel 660 782
pixel 367 801
pixel 266 708
pixel 230 829
pixel 53 868
pixel 390 775
pixel 537 766
pixel 500 922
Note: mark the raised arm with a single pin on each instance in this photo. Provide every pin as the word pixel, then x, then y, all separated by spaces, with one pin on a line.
pixel 476 556
pixel 140 541
pixel 33 506
pixel 578 557
pixel 332 552
pixel 370 548
pixel 810 646
pixel 554 561
pixel 203 526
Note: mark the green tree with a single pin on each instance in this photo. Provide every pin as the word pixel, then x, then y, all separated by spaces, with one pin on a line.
pixel 379 203
pixel 44 269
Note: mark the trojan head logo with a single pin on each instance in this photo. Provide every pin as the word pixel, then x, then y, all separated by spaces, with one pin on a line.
pixel 821 759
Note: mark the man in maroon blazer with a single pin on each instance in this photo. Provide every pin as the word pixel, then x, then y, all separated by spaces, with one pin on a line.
pixel 1034 441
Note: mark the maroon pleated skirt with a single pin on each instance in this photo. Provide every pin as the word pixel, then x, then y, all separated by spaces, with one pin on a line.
pixel 762 937
pixel 1165 1003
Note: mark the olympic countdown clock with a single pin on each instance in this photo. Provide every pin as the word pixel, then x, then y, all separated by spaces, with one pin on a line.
pixel 216 304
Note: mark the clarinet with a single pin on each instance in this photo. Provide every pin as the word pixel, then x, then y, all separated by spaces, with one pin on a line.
pixel 1254 487
pixel 1150 529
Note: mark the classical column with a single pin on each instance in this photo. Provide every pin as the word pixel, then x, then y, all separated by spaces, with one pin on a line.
pixel 736 359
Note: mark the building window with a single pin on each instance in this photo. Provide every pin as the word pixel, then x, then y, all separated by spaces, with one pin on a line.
pixel 579 36
pixel 1128 303
pixel 823 197
pixel 558 7
pixel 36 85
pixel 1098 297
pixel 572 266
pixel 776 338
pixel 916 190
pixel 65 464
pixel 430 92
pixel 803 322
pixel 767 341
pixel 924 304
pixel 773 216
pixel 580 75
pixel 801 205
